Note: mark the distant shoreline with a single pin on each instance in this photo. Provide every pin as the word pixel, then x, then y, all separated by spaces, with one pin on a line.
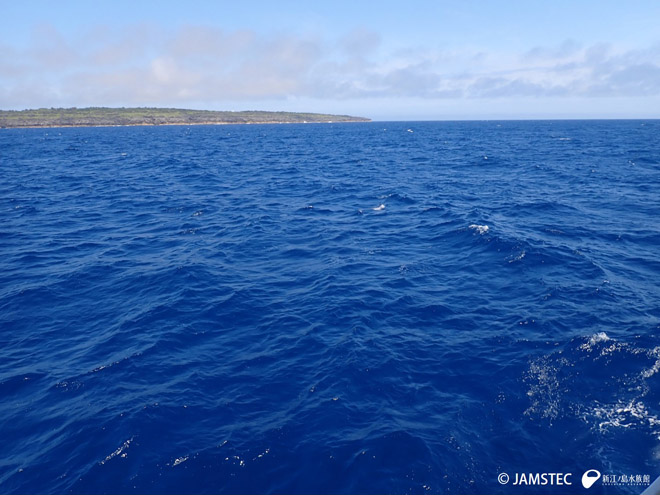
pixel 146 124
pixel 128 117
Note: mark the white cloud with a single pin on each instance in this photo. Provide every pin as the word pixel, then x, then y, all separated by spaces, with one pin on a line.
pixel 143 65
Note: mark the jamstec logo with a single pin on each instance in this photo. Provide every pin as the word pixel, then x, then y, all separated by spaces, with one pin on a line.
pixel 537 479
pixel 590 477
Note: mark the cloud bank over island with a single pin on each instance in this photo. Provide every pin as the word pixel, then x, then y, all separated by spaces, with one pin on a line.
pixel 203 65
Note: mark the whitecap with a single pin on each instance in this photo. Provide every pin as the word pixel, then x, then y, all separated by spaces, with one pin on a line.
pixel 379 208
pixel 481 229
pixel 120 451
pixel 593 340
pixel 599 337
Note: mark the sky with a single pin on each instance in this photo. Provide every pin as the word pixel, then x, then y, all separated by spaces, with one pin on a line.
pixel 386 60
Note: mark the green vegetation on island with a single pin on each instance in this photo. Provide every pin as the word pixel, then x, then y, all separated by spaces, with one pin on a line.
pixel 100 116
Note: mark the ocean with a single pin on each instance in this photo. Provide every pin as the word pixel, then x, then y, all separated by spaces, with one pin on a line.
pixel 364 308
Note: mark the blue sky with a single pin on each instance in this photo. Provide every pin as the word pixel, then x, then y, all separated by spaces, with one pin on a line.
pixel 385 60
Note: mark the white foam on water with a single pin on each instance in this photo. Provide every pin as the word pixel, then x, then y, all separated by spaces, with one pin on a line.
pixel 632 413
pixel 628 412
pixel 481 229
pixel 120 451
pixel 259 456
pixel 654 353
pixel 518 258
pixel 593 340
pixel 379 208
pixel 547 379
pixel 544 391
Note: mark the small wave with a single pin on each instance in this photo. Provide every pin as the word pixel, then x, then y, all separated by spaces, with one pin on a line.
pixel 180 460
pixel 401 198
pixel 593 340
pixel 481 229
pixel 519 257
pixel 119 452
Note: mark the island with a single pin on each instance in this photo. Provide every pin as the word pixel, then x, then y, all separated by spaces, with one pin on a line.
pixel 102 116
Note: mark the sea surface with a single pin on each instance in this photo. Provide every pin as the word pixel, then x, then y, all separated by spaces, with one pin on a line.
pixel 367 308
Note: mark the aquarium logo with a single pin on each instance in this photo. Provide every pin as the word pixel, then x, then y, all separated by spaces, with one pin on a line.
pixel 590 477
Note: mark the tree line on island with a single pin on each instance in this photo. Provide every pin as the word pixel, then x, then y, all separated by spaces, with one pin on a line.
pixel 101 116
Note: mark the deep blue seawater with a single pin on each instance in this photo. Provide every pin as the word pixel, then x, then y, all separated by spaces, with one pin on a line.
pixel 329 309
